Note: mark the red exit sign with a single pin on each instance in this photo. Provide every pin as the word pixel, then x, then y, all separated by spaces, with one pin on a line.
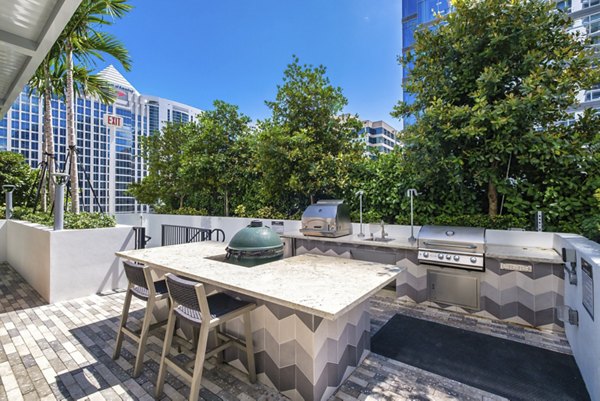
pixel 113 121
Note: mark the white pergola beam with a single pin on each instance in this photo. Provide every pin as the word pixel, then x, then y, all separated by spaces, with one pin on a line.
pixel 34 51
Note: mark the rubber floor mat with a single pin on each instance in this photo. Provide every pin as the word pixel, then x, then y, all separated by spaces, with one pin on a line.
pixel 507 368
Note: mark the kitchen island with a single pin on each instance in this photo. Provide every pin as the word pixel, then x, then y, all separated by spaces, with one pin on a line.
pixel 311 327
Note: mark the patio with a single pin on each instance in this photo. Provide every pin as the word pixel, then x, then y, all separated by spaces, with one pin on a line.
pixel 63 351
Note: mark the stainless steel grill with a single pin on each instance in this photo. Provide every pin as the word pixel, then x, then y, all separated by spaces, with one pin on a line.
pixel 326 218
pixel 460 247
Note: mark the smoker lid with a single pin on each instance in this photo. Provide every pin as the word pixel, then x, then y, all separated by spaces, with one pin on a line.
pixel 255 238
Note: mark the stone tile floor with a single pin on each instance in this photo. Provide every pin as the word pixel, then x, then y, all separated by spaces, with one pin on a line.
pixel 63 351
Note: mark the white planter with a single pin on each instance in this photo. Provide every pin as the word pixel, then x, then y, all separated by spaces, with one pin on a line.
pixel 63 265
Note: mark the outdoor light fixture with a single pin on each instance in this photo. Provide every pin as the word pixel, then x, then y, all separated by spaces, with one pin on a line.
pixel 360 194
pixel 8 190
pixel 411 193
pixel 60 179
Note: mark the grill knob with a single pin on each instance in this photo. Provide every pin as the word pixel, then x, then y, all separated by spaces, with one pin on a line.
pixel 425 254
pixel 448 257
pixel 456 258
pixel 473 259
pixel 440 256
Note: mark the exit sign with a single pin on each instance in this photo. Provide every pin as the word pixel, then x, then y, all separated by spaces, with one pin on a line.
pixel 113 121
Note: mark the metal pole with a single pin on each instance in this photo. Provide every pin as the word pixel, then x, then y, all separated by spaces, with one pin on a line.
pixel 360 194
pixel 8 190
pixel 411 192
pixel 60 180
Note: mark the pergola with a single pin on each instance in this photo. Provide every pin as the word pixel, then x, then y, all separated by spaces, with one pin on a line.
pixel 28 29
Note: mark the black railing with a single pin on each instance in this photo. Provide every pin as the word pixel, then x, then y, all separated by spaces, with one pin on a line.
pixel 173 235
pixel 141 239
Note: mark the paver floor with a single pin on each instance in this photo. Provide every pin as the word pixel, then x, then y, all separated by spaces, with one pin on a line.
pixel 63 351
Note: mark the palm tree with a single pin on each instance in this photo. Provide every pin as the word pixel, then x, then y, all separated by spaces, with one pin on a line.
pixel 49 80
pixel 82 41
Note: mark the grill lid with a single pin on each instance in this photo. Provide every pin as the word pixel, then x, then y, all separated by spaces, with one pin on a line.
pixel 460 239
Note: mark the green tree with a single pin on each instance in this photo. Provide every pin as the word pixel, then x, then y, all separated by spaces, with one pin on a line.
pixel 492 82
pixel 82 41
pixel 305 149
pixel 163 153
pixel 216 158
pixel 14 170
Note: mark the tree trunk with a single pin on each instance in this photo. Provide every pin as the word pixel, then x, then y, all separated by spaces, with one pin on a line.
pixel 226 203
pixel 48 134
pixel 71 134
pixel 492 199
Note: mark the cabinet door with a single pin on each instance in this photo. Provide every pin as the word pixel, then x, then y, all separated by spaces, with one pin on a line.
pixel 453 288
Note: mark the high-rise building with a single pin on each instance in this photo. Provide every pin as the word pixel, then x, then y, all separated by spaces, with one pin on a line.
pixel 379 136
pixel 417 14
pixel 586 18
pixel 109 157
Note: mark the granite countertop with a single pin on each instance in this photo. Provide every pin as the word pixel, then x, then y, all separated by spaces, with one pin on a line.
pixel 530 254
pixel 354 239
pixel 324 286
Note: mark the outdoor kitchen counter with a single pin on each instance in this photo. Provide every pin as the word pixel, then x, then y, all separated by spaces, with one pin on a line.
pixel 529 254
pixel 354 239
pixel 311 325
pixel 323 286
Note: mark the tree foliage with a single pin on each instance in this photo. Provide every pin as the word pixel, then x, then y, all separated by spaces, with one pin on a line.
pixel 305 149
pixel 14 170
pixel 493 80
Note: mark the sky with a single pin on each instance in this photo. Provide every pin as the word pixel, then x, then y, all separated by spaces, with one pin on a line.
pixel 195 52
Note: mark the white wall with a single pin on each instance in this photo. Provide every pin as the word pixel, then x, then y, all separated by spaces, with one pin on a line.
pixel 28 252
pixel 93 269
pixel 3 241
pixel 230 225
pixel 67 264
pixel 585 337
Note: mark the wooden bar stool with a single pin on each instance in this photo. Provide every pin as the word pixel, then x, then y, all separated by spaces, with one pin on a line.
pixel 190 304
pixel 143 287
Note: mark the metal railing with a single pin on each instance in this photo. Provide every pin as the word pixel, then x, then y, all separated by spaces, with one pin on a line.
pixel 141 239
pixel 173 235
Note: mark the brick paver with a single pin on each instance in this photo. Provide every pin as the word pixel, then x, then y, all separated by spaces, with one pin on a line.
pixel 63 351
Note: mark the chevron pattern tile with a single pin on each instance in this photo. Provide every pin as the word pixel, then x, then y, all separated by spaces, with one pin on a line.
pixel 304 356
pixel 527 298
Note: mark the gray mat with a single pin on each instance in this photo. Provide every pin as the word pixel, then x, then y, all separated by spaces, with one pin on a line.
pixel 507 368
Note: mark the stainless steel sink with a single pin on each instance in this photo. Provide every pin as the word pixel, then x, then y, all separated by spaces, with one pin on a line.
pixel 379 239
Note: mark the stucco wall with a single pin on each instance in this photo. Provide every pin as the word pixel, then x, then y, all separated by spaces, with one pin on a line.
pixel 584 338
pixel 28 252
pixel 2 241
pixel 67 264
pixel 93 269
pixel 230 225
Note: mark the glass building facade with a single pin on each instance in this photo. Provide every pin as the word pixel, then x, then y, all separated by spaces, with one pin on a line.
pixel 109 158
pixel 379 137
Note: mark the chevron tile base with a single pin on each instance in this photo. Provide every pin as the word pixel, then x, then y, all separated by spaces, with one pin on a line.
pixel 528 298
pixel 303 356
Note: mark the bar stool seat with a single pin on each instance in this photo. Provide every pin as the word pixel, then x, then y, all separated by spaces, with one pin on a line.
pixel 144 288
pixel 189 303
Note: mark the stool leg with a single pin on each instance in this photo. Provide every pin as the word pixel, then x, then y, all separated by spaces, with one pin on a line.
pixel 249 348
pixel 218 342
pixel 199 363
pixel 139 359
pixel 165 353
pixel 122 324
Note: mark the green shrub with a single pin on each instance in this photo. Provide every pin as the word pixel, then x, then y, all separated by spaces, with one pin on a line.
pixel 186 210
pixel 83 220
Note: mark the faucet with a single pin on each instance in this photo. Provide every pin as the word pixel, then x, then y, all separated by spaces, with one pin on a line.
pixel 383 233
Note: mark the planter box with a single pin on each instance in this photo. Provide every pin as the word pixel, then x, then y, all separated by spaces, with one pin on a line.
pixel 63 265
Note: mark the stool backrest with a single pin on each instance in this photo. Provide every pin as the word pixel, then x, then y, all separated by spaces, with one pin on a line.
pixel 136 274
pixel 188 293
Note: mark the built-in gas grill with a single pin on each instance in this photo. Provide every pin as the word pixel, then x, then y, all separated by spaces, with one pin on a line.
pixel 460 247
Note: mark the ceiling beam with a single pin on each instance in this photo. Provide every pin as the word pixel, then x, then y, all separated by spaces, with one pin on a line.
pixel 35 52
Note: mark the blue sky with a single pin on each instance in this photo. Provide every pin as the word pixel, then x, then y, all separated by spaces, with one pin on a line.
pixel 236 50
